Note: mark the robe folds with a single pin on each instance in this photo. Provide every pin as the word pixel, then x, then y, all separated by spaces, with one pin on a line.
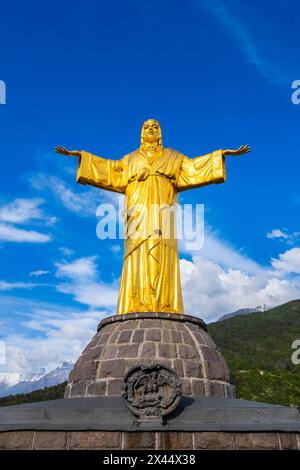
pixel 150 279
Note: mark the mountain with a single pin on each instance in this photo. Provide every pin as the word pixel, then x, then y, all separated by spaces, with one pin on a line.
pixel 258 350
pixel 245 311
pixel 10 379
pixel 12 384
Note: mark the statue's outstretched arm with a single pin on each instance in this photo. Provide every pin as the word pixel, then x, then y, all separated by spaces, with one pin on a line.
pixel 70 153
pixel 240 151
pixel 98 171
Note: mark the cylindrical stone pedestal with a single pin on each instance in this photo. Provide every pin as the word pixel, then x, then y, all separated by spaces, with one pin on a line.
pixel 177 341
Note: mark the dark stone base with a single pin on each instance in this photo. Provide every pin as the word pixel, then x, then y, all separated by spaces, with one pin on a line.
pixel 107 423
pixel 109 440
pixel 177 341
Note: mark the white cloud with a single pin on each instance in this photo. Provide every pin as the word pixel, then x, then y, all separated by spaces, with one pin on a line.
pixel 8 233
pixel 220 280
pixel 288 262
pixel 80 279
pixel 221 252
pixel 21 211
pixel 16 285
pixel 283 235
pixel 38 273
pixel 115 249
pixel 211 291
pixel 82 203
pixel 51 334
pixel 66 251
pixel 277 233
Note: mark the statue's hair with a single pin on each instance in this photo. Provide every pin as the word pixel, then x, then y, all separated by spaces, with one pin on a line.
pixel 160 133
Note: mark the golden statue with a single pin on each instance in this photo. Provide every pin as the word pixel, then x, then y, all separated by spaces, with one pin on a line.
pixel 150 176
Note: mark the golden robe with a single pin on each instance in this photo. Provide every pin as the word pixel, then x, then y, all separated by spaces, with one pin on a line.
pixel 150 279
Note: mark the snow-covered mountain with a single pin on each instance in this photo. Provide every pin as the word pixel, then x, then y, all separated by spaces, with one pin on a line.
pixel 245 311
pixel 9 379
pixel 13 383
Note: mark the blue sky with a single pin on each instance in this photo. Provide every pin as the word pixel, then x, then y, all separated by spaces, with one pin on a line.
pixel 86 74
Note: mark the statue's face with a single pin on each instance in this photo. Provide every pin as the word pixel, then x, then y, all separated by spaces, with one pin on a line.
pixel 151 131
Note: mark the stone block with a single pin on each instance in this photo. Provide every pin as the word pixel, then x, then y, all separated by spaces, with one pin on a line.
pixel 83 371
pixel 138 440
pixel 95 440
pixel 198 387
pixel 124 336
pixel 259 440
pixel 210 354
pixel 178 366
pixel 187 338
pixel 165 336
pixel 175 440
pixel 193 368
pixel 167 350
pixel 175 336
pixel 114 387
pixel 188 352
pixel 53 440
pixel 138 336
pixel 128 350
pixel 288 441
pixel 153 334
pixel 16 440
pixel 214 440
pixel 148 351
pixel 186 387
pixel 114 337
pixel 103 338
pixel 215 371
pixel 79 389
pixel 95 353
pixel 96 389
pixel 112 368
pixel 110 352
pixel 215 389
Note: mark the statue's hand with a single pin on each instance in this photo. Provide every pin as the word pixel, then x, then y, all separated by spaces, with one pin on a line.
pixel 144 173
pixel 240 151
pixel 69 153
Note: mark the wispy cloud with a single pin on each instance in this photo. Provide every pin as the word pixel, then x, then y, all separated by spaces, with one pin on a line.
pixel 50 334
pixel 66 251
pixel 38 273
pixel 220 251
pixel 9 233
pixel 80 279
pixel 81 203
pixel 21 211
pixel 245 39
pixel 283 235
pixel 5 286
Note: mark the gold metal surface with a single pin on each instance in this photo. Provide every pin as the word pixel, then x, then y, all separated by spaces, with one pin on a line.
pixel 151 177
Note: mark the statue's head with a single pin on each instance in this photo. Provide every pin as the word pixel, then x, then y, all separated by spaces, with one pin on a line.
pixel 151 132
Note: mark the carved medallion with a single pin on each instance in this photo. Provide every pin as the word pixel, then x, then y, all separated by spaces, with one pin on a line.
pixel 151 391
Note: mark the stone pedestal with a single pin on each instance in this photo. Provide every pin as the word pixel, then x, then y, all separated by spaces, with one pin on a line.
pixel 180 342
pixel 150 381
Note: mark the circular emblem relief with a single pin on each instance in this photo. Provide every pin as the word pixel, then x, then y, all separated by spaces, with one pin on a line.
pixel 151 391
